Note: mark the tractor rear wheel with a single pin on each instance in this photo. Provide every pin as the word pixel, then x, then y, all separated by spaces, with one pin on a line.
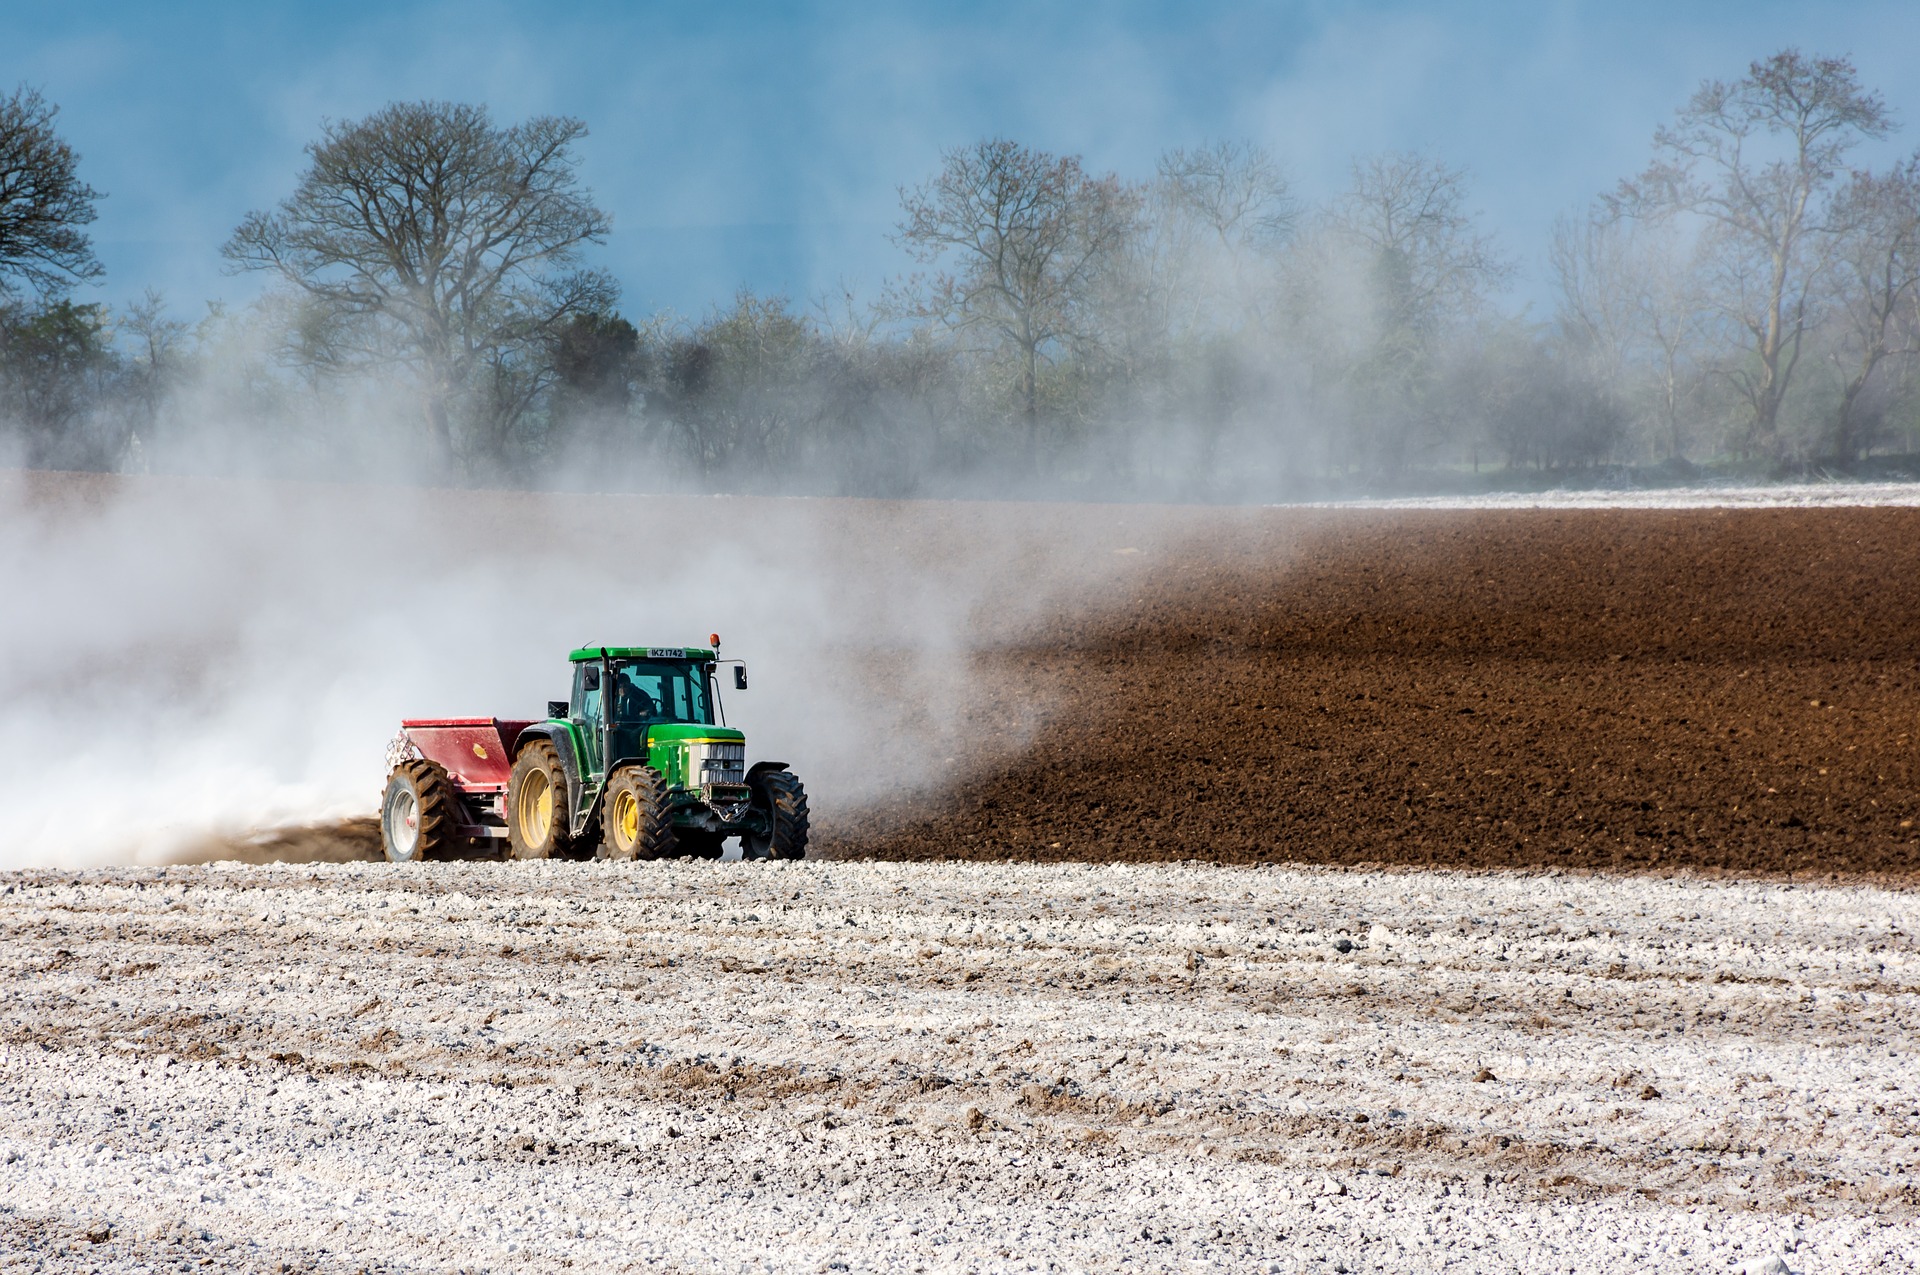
pixel 418 813
pixel 635 823
pixel 782 805
pixel 539 814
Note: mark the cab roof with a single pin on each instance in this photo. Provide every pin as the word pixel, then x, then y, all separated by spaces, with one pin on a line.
pixel 641 653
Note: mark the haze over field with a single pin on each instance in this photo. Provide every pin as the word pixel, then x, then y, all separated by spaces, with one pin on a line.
pixel 240 653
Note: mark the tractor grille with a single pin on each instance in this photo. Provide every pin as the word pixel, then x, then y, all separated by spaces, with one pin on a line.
pixel 716 763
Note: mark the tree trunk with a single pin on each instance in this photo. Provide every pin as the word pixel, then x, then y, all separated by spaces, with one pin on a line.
pixel 1773 341
pixel 439 433
pixel 1031 393
pixel 1670 401
pixel 1846 442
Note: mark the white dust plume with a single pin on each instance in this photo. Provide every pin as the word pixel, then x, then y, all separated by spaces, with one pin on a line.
pixel 187 658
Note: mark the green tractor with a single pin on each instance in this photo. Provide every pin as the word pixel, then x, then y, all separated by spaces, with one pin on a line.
pixel 637 763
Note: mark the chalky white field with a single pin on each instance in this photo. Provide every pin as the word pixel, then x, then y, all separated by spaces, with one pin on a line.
pixel 818 1066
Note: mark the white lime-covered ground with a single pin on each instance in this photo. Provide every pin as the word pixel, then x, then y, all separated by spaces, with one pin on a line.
pixel 838 1066
pixel 1770 496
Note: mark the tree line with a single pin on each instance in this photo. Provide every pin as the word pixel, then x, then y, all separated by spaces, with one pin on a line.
pixel 1751 299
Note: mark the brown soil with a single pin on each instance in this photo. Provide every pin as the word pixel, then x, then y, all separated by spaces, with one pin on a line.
pixel 1730 690
pixel 347 841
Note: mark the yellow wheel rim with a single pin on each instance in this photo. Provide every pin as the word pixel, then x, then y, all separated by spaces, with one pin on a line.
pixel 626 819
pixel 536 807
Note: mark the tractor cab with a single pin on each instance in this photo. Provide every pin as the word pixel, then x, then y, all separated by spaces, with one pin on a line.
pixel 618 701
pixel 654 706
pixel 643 691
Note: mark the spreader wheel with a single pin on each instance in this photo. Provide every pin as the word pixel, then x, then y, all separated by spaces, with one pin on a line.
pixel 418 813
pixel 782 804
pixel 538 811
pixel 634 820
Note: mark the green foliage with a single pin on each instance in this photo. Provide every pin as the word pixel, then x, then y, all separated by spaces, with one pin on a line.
pixel 739 391
pixel 55 381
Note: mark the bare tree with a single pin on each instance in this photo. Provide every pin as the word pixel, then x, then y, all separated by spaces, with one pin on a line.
pixel 1215 216
pixel 427 236
pixel 1029 236
pixel 1181 301
pixel 1878 264
pixel 1597 279
pixel 1757 158
pixel 43 202
pixel 883 400
pixel 156 340
pixel 1629 300
pixel 1402 268
pixel 1678 321
pixel 1429 264
pixel 1234 189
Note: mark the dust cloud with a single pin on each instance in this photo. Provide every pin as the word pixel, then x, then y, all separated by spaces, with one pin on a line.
pixel 187 659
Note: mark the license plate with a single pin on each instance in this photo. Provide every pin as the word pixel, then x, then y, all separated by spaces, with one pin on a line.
pixel 667 652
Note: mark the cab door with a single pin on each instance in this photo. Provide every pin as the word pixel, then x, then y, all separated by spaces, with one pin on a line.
pixel 589 719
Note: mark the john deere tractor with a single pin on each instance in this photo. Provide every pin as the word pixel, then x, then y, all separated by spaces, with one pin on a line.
pixel 636 764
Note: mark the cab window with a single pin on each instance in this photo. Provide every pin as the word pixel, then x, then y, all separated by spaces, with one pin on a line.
pixel 660 691
pixel 586 692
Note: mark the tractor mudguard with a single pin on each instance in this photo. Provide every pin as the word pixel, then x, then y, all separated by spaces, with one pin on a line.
pixel 764 767
pixel 581 818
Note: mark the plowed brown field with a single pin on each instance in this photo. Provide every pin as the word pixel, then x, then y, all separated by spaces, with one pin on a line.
pixel 1711 689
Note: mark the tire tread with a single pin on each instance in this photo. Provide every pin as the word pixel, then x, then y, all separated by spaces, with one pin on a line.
pixel 657 837
pixel 786 800
pixel 540 754
pixel 439 802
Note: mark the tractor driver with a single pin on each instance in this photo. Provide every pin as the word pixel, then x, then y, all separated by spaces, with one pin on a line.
pixel 630 703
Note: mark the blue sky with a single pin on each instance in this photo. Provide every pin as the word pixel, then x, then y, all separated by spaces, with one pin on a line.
pixel 761 145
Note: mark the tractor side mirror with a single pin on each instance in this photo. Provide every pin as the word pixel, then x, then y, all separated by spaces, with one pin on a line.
pixel 556 708
pixel 739 677
pixel 591 680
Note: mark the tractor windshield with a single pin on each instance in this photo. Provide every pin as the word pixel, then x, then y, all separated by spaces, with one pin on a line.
pixel 646 691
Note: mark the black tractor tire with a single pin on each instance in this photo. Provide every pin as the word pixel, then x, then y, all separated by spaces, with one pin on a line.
pixel 539 809
pixel 779 797
pixel 418 813
pixel 634 820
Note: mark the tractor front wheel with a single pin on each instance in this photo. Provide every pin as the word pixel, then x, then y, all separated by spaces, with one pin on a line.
pixel 781 803
pixel 417 813
pixel 634 822
pixel 539 814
